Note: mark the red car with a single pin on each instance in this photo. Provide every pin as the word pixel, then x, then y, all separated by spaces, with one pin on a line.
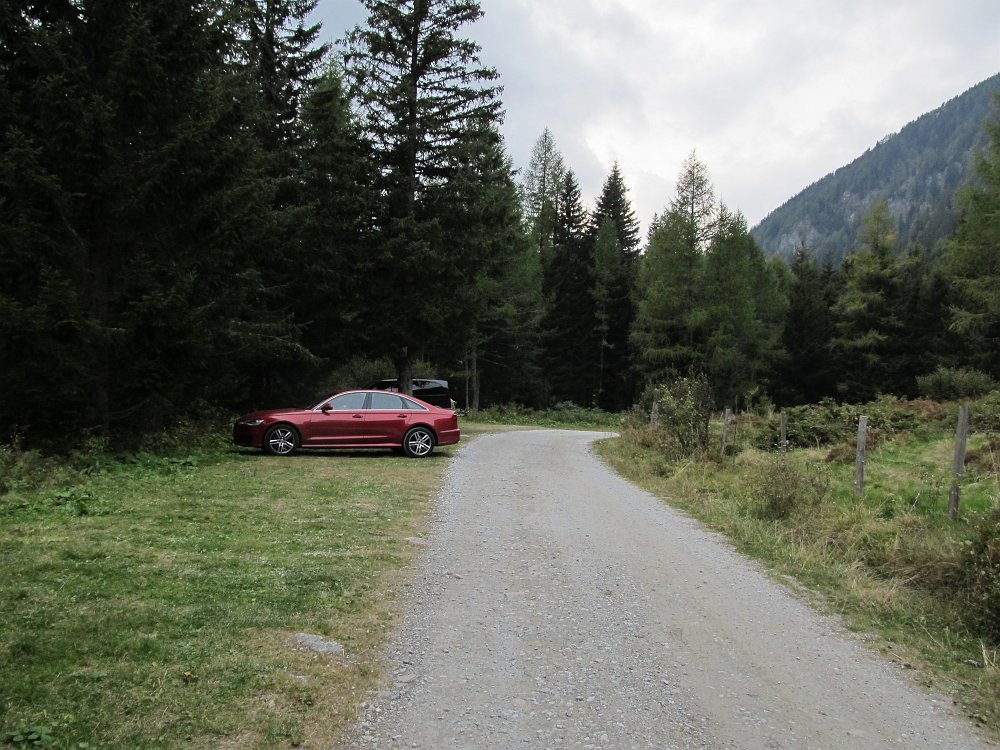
pixel 352 419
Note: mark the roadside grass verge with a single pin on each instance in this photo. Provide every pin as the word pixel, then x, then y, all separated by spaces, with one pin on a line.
pixel 889 564
pixel 154 601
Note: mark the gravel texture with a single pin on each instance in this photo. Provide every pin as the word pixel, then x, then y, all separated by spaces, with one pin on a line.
pixel 557 606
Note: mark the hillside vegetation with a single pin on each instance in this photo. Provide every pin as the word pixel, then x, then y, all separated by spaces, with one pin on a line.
pixel 916 171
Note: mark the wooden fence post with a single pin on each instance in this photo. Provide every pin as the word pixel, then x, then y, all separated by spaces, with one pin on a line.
pixel 784 432
pixel 958 466
pixel 654 415
pixel 725 429
pixel 859 461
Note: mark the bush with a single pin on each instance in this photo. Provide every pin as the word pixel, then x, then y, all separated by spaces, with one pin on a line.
pixel 952 384
pixel 678 413
pixel 985 413
pixel 981 572
pixel 780 488
pixel 830 423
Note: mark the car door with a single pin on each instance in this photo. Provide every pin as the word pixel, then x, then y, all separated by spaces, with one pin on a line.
pixel 339 421
pixel 387 418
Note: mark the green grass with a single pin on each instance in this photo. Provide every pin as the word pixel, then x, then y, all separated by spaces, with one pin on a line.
pixel 153 602
pixel 564 415
pixel 888 563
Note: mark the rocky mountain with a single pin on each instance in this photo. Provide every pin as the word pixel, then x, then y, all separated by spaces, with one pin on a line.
pixel 916 170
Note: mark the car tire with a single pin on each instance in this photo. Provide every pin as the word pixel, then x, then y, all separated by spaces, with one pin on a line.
pixel 418 442
pixel 281 440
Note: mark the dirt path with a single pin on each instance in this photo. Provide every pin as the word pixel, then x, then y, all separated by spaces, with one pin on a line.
pixel 559 607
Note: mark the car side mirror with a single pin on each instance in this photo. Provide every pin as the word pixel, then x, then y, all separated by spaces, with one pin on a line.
pixel 325 408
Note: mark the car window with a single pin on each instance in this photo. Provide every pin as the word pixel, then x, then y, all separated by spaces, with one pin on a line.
pixel 411 405
pixel 348 402
pixel 387 401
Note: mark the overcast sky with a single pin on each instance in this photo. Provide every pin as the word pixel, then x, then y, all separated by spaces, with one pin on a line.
pixel 771 94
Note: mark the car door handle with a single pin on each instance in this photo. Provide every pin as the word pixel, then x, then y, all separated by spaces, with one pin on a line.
pixel 358 416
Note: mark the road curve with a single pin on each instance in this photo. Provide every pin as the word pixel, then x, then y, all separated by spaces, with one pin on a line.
pixel 557 606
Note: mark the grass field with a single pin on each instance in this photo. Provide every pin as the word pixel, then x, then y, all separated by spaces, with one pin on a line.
pixel 154 602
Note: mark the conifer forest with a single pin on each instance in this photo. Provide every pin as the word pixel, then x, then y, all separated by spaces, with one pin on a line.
pixel 203 208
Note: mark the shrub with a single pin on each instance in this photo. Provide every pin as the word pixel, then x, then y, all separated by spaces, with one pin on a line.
pixel 809 426
pixel 985 413
pixel 830 423
pixel 952 384
pixel 679 412
pixel 981 572
pixel 779 488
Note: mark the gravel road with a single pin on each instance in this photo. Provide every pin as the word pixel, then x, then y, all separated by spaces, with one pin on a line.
pixel 557 606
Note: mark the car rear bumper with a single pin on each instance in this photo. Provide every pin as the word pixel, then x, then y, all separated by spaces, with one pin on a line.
pixel 449 437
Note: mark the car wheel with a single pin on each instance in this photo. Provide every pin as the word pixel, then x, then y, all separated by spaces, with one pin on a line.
pixel 281 440
pixel 418 442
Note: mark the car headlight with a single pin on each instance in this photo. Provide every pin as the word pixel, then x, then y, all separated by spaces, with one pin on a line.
pixel 251 422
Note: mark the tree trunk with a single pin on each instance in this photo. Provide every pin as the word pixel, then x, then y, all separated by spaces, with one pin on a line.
pixel 404 371
pixel 474 376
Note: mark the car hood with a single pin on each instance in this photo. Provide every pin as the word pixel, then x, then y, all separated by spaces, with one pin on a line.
pixel 265 413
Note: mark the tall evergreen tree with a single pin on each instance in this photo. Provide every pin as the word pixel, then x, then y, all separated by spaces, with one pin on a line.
pixel 810 372
pixel 616 259
pixel 421 89
pixel 867 320
pixel 571 327
pixel 277 61
pixel 496 311
pixel 332 228
pixel 695 204
pixel 540 192
pixel 129 122
pixel 668 330
pixel 613 203
pixel 973 260
pixel 742 313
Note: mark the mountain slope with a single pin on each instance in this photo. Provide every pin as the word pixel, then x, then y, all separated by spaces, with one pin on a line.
pixel 916 170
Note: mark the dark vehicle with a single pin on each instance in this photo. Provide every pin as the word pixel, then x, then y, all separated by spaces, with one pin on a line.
pixel 352 419
pixel 432 391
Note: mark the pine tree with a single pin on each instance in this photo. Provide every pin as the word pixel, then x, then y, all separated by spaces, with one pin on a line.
pixel 333 226
pixel 498 306
pixel 973 261
pixel 810 372
pixel 129 125
pixel 540 190
pixel 742 312
pixel 571 327
pixel 867 321
pixel 420 88
pixel 695 204
pixel 613 203
pixel 618 372
pixel 668 331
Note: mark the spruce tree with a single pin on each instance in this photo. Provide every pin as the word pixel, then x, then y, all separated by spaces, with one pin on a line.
pixel 809 373
pixel 867 317
pixel 420 88
pixel 129 125
pixel 973 261
pixel 742 311
pixel 571 329
pixel 616 295
pixel 496 307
